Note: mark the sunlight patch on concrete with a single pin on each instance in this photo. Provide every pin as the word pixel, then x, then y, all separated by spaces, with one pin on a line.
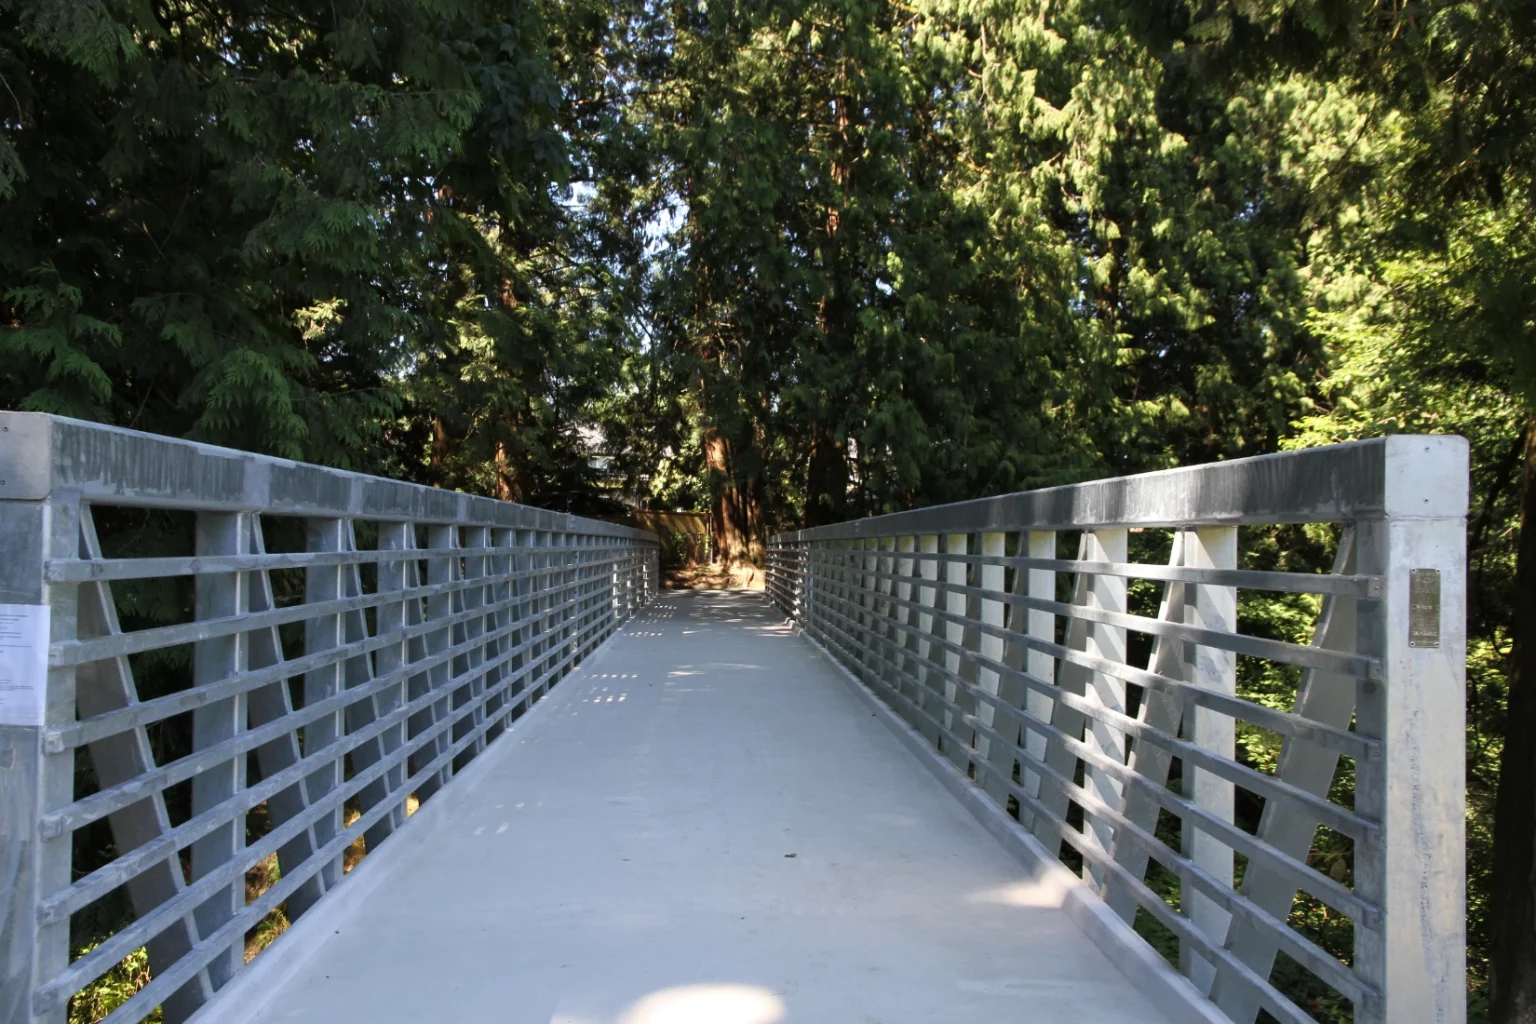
pixel 1022 894
pixel 707 1004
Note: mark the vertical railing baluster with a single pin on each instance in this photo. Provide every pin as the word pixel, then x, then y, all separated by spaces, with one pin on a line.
pixel 599 602
pixel 321 633
pixel 102 687
pixel 617 577
pixel 473 688
pixel 584 592
pixel 848 592
pixel 393 660
pixel 1106 593
pixel 571 598
pixel 559 581
pixel 567 600
pixel 539 602
pixel 832 555
pixel 1039 584
pixel 885 612
pixel 820 585
pixel 927 598
pixel 1072 679
pixel 220 596
pixel 1213 608
pixel 832 582
pixel 272 703
pixel 1162 711
pixel 522 616
pixel 844 624
pixel 442 569
pixel 990 645
pixel 498 621
pixel 905 569
pixel 864 641
pixel 1329 699
pixel 358 673
pixel 955 603
pixel 417 648
pixel 800 552
pixel 547 598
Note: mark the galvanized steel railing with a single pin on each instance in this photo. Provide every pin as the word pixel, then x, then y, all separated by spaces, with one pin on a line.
pixel 326 689
pixel 1110 737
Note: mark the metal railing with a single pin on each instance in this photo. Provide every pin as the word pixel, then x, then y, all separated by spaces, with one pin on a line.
pixel 303 699
pixel 1115 737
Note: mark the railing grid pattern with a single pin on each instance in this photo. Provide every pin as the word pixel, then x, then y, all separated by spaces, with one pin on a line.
pixel 1110 736
pixel 328 692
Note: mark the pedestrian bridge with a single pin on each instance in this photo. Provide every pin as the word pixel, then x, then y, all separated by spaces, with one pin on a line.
pixel 1034 758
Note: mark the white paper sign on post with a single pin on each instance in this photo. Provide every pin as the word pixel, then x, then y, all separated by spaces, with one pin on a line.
pixel 23 663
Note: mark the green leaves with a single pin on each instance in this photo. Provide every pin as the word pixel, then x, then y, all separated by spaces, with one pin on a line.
pixel 245 223
pixel 56 339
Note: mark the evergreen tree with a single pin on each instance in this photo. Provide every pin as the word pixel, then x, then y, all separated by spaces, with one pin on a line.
pixel 285 228
pixel 1432 321
pixel 802 261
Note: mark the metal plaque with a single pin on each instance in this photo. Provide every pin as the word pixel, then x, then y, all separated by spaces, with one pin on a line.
pixel 1424 608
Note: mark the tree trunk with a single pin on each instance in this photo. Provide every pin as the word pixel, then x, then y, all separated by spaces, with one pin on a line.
pixel 441 446
pixel 511 475
pixel 508 486
pixel 826 497
pixel 1513 899
pixel 732 512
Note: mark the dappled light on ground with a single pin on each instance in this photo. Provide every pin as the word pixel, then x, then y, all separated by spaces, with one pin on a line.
pixel 1034 893
pixel 707 1004
pixel 714 577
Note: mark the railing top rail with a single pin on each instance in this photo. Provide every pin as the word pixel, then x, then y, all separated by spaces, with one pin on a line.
pixel 42 455
pixel 1343 482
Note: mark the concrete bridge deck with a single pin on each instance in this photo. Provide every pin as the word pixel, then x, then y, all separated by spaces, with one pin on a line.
pixel 704 824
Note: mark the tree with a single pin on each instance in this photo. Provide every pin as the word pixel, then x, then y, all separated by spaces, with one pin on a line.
pixel 332 235
pixel 1421 274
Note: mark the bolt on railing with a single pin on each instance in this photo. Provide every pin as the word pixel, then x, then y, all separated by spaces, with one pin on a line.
pixel 329 650
pixel 1116 736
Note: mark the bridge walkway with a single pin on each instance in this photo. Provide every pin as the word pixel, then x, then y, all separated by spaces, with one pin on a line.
pixel 704 824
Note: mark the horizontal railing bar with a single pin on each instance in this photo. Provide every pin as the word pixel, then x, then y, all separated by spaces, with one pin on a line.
pixel 1324 965
pixel 1274 1001
pixel 98 805
pixel 1243 579
pixel 108 877
pixel 1338 740
pixel 1347 822
pixel 1346 743
pixel 86 570
pixel 110 952
pixel 580 579
pixel 1341 820
pixel 111 723
pixel 1320 885
pixel 79 652
pixel 208 948
pixel 1301 656
pixel 1144 896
